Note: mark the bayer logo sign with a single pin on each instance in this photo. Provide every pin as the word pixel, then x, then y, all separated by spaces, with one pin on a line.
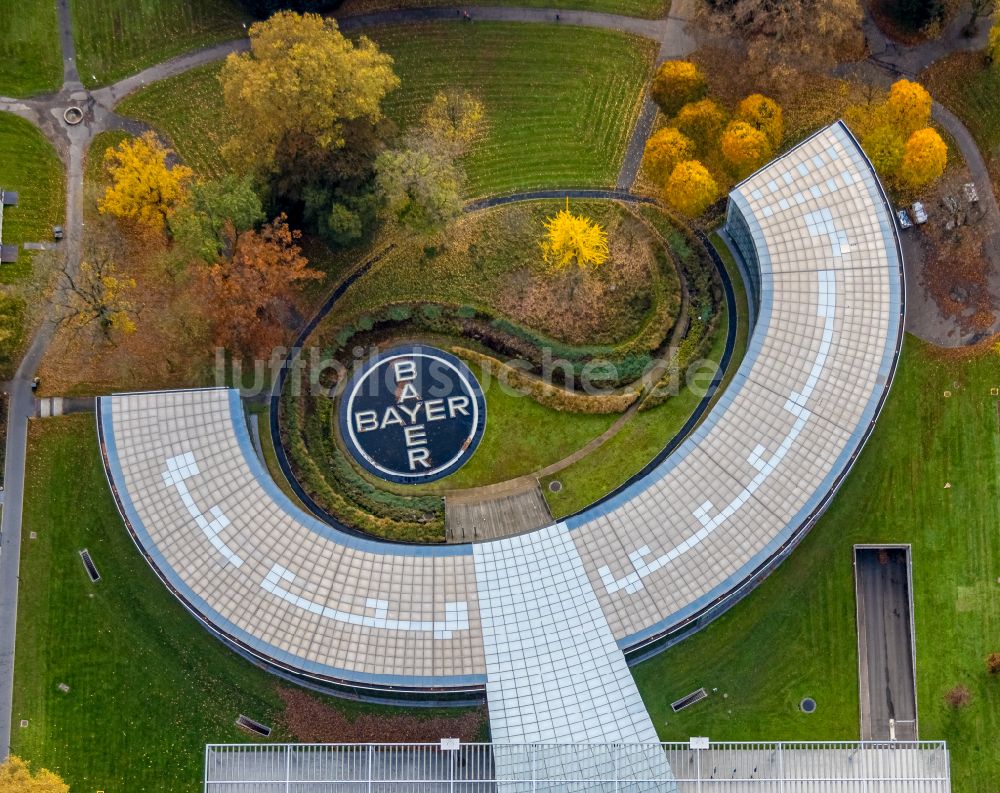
pixel 412 414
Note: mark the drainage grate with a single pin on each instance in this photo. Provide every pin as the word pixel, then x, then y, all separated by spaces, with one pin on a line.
pixel 89 564
pixel 555 486
pixel 690 699
pixel 253 726
pixel 808 705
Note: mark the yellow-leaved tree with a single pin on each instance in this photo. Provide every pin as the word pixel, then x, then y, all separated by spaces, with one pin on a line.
pixel 455 118
pixel 664 149
pixel 702 121
pixel 573 239
pixel 993 42
pixel 744 148
pixel 16 777
pixel 301 82
pixel 143 189
pixel 675 84
pixel 764 114
pixel 690 188
pixel 924 158
pixel 884 147
pixel 908 107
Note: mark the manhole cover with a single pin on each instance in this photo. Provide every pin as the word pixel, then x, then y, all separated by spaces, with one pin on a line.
pixel 73 115
pixel 807 705
pixel 555 486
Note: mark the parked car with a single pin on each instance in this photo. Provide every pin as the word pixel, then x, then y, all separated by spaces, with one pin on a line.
pixel 919 213
pixel 57 232
pixel 904 219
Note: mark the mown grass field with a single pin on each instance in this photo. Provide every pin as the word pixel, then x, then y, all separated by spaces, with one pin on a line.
pixel 148 686
pixel 30 58
pixel 31 167
pixel 115 38
pixel 650 9
pixel 795 636
pixel 560 101
pixel 189 110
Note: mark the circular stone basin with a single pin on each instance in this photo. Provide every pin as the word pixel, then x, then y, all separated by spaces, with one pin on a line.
pixel 412 414
pixel 808 705
pixel 555 486
pixel 73 115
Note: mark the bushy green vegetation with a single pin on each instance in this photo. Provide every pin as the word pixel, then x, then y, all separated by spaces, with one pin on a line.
pixel 148 687
pixel 560 101
pixel 115 38
pixel 30 59
pixel 795 636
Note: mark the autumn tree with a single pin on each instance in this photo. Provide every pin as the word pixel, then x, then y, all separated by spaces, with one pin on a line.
pixel 573 239
pixel 663 151
pixel 924 158
pixel 253 289
pixel 908 107
pixel 702 122
pixel 675 84
pixel 744 148
pixel 814 34
pixel 978 9
pixel 212 214
pixel 300 85
pixel 100 295
pixel 763 114
pixel 690 188
pixel 454 118
pixel 958 697
pixel 420 186
pixel 885 148
pixel 144 189
pixel 16 777
pixel 993 663
pixel 993 42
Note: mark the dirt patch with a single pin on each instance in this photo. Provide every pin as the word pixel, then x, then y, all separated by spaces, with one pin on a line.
pixel 310 720
pixel 956 271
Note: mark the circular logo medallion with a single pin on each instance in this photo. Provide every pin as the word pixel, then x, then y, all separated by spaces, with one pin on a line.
pixel 412 414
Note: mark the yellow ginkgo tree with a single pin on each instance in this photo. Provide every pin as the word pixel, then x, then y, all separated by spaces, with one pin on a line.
pixel 573 239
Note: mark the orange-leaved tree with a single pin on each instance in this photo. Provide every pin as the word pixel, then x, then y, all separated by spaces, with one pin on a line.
pixel 675 84
pixel 690 188
pixel 744 148
pixel 573 239
pixel 924 158
pixel 143 189
pixel 664 149
pixel 253 289
pixel 702 121
pixel 16 777
pixel 764 114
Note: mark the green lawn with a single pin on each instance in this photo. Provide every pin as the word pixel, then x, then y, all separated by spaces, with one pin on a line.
pixel 148 686
pixel 189 110
pixel 650 9
pixel 795 636
pixel 561 101
pixel 30 166
pixel 115 38
pixel 969 88
pixel 30 58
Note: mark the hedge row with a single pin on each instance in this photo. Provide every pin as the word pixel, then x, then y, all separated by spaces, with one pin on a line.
pixel 547 394
pixel 332 482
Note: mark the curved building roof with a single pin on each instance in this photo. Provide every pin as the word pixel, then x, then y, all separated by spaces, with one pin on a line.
pixel 681 541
